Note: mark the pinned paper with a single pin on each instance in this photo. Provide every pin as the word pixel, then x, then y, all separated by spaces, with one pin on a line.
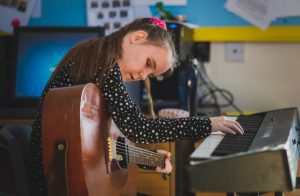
pixel 262 12
pixel 112 15
pixel 13 12
pixel 37 9
pixel 255 11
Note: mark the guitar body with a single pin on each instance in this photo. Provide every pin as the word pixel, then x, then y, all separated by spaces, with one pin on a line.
pixel 77 115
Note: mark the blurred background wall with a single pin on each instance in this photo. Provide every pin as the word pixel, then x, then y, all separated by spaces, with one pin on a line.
pixel 266 78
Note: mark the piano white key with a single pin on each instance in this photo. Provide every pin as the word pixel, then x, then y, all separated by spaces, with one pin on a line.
pixel 231 118
pixel 209 144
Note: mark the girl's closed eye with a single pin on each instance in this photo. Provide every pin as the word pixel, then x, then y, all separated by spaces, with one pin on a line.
pixel 151 65
pixel 148 63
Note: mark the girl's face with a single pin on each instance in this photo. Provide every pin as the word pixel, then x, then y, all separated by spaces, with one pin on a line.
pixel 140 59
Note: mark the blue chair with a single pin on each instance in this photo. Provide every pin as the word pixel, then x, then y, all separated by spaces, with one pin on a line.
pixel 14 145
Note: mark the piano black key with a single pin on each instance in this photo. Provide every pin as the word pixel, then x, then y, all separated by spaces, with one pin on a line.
pixel 231 144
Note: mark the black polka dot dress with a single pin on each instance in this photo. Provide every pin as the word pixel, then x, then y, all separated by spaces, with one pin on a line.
pixel 134 125
pixel 139 129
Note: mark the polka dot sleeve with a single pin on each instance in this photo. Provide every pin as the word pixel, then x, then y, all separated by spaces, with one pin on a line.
pixel 139 129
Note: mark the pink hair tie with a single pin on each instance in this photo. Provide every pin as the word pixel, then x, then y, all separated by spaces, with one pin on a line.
pixel 158 22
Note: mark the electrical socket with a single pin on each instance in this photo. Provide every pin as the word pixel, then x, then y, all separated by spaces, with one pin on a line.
pixel 234 51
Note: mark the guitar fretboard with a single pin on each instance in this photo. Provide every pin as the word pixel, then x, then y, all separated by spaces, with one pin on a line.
pixel 138 155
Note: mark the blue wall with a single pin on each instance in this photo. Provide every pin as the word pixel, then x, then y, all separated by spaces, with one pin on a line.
pixel 200 12
pixel 61 13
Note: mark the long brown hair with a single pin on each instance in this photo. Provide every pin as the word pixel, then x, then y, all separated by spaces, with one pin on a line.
pixel 97 56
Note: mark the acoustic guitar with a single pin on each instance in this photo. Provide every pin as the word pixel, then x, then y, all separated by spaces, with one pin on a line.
pixel 84 152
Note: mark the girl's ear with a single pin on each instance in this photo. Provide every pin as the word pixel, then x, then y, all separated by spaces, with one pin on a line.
pixel 138 36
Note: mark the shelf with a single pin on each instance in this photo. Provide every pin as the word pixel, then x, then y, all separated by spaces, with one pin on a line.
pixel 246 34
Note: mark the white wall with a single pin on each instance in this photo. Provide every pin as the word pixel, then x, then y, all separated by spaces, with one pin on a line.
pixel 267 79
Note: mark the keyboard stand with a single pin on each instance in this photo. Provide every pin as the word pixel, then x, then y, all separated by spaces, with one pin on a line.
pixel 258 193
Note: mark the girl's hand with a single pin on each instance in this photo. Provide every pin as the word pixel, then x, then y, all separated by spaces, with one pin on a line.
pixel 220 123
pixel 168 166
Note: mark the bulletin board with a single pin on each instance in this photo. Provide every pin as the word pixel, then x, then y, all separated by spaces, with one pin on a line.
pixel 217 24
pixel 214 21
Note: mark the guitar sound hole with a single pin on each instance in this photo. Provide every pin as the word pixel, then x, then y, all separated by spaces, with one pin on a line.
pixel 119 164
pixel 122 153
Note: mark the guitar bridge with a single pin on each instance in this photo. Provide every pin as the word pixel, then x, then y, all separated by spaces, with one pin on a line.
pixel 109 149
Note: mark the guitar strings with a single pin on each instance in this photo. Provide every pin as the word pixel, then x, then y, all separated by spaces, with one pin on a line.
pixel 144 159
pixel 145 150
pixel 123 152
pixel 139 150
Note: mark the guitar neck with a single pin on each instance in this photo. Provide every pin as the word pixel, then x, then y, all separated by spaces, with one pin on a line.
pixel 145 157
pixel 134 154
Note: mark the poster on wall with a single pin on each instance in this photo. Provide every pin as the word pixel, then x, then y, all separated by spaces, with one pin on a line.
pixel 113 14
pixel 14 13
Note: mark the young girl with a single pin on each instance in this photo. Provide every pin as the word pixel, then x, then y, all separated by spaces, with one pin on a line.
pixel 141 49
